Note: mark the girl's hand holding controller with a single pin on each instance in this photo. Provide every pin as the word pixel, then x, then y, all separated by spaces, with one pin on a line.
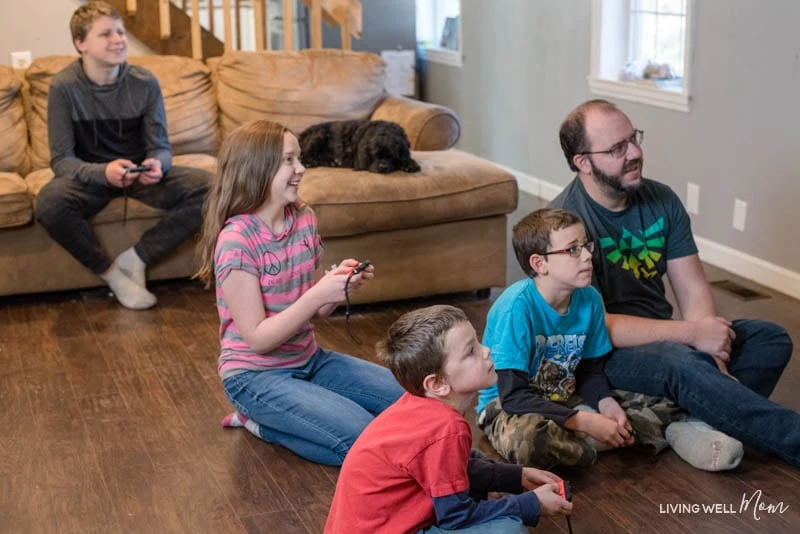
pixel 331 286
pixel 551 502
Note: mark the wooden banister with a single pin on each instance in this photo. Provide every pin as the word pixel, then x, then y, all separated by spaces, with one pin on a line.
pixel 164 23
pixel 176 26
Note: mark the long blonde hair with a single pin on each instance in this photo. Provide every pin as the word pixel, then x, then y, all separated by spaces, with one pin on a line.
pixel 248 160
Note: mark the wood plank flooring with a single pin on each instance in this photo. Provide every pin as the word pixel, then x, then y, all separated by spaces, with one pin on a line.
pixel 109 422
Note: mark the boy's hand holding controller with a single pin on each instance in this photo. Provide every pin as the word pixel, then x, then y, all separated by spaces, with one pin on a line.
pixel 330 287
pixel 118 173
pixel 123 172
pixel 552 501
pixel 532 478
pixel 153 173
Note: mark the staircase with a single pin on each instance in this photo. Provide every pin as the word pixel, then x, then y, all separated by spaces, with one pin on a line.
pixel 208 28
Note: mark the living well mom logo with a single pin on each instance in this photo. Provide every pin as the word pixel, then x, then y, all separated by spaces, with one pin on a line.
pixel 751 504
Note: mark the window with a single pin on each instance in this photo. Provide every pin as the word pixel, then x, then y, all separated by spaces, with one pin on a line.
pixel 641 51
pixel 439 30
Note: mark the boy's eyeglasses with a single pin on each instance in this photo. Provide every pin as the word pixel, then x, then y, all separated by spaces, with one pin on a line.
pixel 621 148
pixel 574 251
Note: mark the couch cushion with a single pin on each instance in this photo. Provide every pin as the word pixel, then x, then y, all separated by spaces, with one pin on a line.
pixel 451 186
pixel 202 161
pixel 15 201
pixel 189 100
pixel 39 75
pixel 297 89
pixel 13 128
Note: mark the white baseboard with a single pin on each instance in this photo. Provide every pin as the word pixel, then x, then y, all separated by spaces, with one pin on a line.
pixel 749 267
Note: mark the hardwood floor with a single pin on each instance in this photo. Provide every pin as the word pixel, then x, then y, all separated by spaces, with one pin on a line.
pixel 109 422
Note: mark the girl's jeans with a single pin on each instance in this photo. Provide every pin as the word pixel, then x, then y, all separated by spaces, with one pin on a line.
pixel 316 411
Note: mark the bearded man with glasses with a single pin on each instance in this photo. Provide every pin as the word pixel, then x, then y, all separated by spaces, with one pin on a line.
pixel 719 371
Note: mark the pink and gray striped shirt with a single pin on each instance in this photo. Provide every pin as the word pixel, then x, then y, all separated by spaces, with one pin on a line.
pixel 285 265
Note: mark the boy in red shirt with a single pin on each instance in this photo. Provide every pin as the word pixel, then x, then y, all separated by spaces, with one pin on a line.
pixel 411 469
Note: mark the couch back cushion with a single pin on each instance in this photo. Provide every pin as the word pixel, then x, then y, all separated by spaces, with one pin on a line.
pixel 13 129
pixel 188 98
pixel 298 88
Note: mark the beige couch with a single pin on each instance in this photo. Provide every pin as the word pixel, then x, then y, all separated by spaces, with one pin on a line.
pixel 437 231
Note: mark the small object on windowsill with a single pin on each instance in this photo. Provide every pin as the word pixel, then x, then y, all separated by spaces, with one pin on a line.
pixel 666 84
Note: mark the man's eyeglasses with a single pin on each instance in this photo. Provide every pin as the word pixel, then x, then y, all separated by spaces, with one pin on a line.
pixel 621 148
pixel 574 251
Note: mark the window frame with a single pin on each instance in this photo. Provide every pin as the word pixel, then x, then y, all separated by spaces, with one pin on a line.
pixel 437 54
pixel 609 49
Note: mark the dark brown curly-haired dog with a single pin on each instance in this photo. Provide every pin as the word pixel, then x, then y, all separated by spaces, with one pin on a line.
pixel 364 145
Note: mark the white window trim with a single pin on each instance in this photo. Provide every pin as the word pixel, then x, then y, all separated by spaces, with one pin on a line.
pixel 446 56
pixel 612 87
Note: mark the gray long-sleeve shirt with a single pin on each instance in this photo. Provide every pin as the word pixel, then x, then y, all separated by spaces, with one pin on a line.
pixel 89 125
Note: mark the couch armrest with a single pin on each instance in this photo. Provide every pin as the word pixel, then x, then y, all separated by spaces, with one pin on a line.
pixel 428 126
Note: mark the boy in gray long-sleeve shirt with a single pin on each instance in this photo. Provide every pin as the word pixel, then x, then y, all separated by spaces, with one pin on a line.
pixel 105 119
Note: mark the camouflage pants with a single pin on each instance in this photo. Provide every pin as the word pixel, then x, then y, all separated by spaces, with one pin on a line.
pixel 535 441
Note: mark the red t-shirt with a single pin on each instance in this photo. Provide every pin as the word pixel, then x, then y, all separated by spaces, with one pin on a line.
pixel 417 449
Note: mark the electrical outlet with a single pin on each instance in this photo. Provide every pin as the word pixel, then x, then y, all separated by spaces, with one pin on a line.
pixel 693 198
pixel 739 214
pixel 21 59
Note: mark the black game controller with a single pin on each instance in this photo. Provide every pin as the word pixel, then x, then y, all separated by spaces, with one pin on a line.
pixel 138 168
pixel 361 266
pixel 565 490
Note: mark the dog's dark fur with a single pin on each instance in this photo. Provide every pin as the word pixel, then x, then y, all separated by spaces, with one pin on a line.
pixel 364 145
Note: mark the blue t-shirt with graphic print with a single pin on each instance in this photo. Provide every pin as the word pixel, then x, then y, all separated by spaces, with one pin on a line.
pixel 524 333
pixel 633 245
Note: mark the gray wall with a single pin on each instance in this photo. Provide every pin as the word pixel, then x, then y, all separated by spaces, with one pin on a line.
pixel 42 26
pixel 386 25
pixel 525 67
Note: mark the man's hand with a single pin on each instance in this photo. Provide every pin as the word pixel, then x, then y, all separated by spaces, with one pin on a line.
pixel 723 367
pixel 532 478
pixel 154 175
pixel 713 335
pixel 611 408
pixel 117 176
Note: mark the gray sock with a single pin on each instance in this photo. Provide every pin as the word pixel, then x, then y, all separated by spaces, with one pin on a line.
pixel 132 265
pixel 128 293
pixel 703 447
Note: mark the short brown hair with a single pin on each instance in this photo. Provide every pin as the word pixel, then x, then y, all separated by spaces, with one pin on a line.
pixel 531 235
pixel 414 346
pixel 84 16
pixel 573 130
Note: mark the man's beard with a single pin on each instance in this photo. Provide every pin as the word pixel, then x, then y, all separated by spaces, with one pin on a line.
pixel 612 183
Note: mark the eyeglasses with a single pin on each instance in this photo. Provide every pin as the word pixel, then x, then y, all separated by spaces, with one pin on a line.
pixel 621 148
pixel 574 251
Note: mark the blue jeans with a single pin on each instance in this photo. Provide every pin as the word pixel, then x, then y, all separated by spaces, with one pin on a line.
pixel 318 410
pixel 507 525
pixel 691 379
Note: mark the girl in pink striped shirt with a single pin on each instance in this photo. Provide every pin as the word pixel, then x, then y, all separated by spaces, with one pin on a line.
pixel 261 247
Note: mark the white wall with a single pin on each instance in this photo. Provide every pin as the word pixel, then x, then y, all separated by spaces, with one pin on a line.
pixel 525 67
pixel 42 27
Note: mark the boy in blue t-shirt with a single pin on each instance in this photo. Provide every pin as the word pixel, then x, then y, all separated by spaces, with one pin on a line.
pixel 552 403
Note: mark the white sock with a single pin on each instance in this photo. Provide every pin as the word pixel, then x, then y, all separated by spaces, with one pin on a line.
pixel 702 446
pixel 132 265
pixel 128 293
